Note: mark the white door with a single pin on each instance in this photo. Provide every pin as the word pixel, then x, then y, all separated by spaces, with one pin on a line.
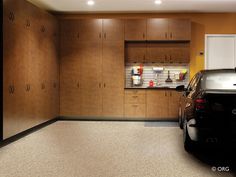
pixel 220 51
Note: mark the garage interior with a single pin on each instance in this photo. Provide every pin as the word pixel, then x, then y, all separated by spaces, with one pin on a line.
pixel 89 87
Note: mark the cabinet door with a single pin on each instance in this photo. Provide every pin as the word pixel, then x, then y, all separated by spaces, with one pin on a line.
pixel 113 64
pixel 90 30
pixel 113 102
pixel 90 54
pixel 180 53
pixel 174 104
pixel 157 104
pixel 113 78
pixel 135 111
pixel 135 29
pixel 14 76
pixel 113 29
pixel 135 52
pixel 179 29
pixel 157 52
pixel 157 29
pixel 70 84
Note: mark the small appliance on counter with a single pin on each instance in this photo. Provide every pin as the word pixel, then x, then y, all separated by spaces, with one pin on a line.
pixel 136 75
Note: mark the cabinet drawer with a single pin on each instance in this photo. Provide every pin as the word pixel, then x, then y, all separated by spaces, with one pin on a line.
pixel 135 110
pixel 135 98
pixel 135 91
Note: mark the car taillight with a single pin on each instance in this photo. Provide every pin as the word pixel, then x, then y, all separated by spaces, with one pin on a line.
pixel 200 103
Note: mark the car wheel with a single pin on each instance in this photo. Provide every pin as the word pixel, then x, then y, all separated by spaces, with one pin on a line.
pixel 188 143
pixel 180 119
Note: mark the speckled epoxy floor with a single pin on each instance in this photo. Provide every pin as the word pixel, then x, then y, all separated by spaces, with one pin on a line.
pixel 103 149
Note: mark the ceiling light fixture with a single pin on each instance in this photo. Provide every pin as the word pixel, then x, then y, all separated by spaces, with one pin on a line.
pixel 90 2
pixel 158 2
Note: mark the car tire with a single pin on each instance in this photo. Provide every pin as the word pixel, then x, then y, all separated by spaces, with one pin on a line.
pixel 180 119
pixel 188 143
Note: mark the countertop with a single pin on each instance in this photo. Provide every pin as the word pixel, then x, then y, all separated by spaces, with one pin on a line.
pixel 152 88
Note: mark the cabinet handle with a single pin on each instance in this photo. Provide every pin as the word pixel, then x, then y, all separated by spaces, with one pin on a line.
pixel 105 35
pixel 165 93
pixel 78 85
pixel 170 93
pixel 27 87
pixel 27 23
pixel 42 28
pixel 42 86
pixel 135 105
pixel 11 16
pixel 171 35
pixel 171 59
pixel 135 96
pixel 11 89
pixel 143 35
pixel 100 35
pixel 55 85
pixel 78 36
pixel 104 85
pixel 166 35
pixel 144 57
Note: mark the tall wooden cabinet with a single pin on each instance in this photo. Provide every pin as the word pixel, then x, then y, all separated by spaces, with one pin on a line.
pixel 100 69
pixel 30 58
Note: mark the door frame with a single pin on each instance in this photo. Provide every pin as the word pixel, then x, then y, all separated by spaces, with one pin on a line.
pixel 216 35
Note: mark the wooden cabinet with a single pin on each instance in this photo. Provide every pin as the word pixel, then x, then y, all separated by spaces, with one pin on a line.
pixel 179 29
pixel 168 52
pixel 157 104
pixel 30 59
pixel 135 29
pixel 100 70
pixel 168 29
pixel 113 78
pixel 135 104
pixel 174 98
pixel 90 30
pixel 113 30
pixel 157 29
pixel 162 104
pixel 157 52
pixel 135 52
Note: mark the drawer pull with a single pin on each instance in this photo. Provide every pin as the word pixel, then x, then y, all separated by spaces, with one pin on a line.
pixel 135 96
pixel 42 86
pixel 27 87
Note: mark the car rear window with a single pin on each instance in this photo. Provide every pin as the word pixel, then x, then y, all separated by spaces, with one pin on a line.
pixel 219 81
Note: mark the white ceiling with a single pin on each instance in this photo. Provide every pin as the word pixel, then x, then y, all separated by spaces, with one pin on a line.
pixel 81 6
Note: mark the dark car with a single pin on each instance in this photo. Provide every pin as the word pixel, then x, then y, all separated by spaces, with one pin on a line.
pixel 207 110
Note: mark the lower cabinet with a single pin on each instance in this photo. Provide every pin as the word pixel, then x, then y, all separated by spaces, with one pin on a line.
pixel 135 104
pixel 162 104
pixel 151 104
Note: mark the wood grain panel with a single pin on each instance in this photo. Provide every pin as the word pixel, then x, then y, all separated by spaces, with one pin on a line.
pixel 157 29
pixel 174 104
pixel 157 104
pixel 135 29
pixel 135 52
pixel 179 29
pixel 113 30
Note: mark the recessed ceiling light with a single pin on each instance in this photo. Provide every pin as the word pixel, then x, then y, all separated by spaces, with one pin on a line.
pixel 158 2
pixel 90 3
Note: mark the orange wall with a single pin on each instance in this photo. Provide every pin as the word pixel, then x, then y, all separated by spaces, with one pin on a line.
pixel 202 23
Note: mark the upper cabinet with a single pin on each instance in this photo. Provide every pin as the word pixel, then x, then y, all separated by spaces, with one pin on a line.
pixel 179 29
pixel 113 29
pixel 90 30
pixel 155 29
pixel 135 29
